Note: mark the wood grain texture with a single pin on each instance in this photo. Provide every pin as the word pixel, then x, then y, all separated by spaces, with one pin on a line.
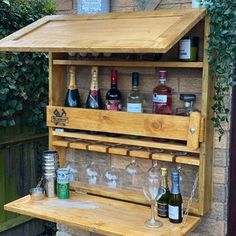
pixel 148 125
pixel 194 130
pixel 138 32
pixel 167 64
pixel 101 215
pixel 138 142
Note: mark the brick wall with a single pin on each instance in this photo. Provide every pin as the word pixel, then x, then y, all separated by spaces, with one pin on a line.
pixel 213 223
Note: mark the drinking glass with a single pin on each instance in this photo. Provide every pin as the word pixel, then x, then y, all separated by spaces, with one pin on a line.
pixel 111 177
pixel 92 173
pixel 152 191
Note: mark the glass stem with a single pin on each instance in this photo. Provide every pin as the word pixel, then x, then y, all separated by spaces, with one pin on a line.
pixel 152 211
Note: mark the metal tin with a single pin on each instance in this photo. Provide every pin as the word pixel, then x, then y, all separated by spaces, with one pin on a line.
pixel 63 178
pixel 50 183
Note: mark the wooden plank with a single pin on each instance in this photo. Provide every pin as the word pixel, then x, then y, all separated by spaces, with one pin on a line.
pixel 154 32
pixel 98 148
pixel 149 125
pixel 140 153
pixel 189 160
pixel 138 142
pixel 60 143
pixel 166 64
pixel 102 215
pixel 118 151
pixel 79 145
pixel 194 130
pixel 163 157
pixel 207 147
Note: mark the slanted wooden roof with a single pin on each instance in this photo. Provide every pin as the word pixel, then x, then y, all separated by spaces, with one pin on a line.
pixel 133 32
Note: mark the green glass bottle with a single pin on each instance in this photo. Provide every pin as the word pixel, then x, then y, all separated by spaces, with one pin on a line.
pixel 175 209
pixel 72 96
pixel 162 203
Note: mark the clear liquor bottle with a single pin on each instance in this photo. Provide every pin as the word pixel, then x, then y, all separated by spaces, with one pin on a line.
pixel 134 100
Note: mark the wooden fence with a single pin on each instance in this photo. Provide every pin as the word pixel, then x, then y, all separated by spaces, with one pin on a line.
pixel 20 168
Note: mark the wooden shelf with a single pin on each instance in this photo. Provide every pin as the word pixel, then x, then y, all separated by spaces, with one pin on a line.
pixel 169 127
pixel 125 151
pixel 127 63
pixel 122 194
pixel 99 215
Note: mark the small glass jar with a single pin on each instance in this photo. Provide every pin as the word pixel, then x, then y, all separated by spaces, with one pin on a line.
pixel 188 48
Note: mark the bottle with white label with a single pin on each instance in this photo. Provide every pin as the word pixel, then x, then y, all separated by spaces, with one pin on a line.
pixel 134 100
pixel 175 208
pixel 188 49
pixel 162 96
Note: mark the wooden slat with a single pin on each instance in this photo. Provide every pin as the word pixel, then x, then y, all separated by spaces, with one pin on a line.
pixel 189 160
pixel 137 142
pixel 118 151
pixel 79 145
pixel 163 157
pixel 149 125
pixel 60 143
pixel 98 148
pixel 139 153
pixel 166 64
pixel 194 130
pixel 99 215
pixel 137 32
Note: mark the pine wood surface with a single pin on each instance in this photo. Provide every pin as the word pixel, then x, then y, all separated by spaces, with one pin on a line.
pixel 167 64
pixel 149 125
pixel 139 32
pixel 119 140
pixel 99 215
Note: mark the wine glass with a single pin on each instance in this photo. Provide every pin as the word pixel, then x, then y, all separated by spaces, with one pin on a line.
pixel 111 177
pixel 153 172
pixel 153 192
pixel 92 173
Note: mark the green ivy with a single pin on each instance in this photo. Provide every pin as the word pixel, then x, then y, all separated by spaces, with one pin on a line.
pixel 24 76
pixel 221 56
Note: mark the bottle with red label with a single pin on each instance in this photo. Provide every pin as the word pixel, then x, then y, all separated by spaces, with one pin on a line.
pixel 113 96
pixel 162 96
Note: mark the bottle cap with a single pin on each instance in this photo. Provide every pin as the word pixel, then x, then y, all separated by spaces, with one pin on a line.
pixel 135 79
pixel 164 171
pixel 162 74
pixel 187 97
pixel 114 76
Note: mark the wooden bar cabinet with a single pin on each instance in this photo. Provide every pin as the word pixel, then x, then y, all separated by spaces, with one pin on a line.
pixel 140 32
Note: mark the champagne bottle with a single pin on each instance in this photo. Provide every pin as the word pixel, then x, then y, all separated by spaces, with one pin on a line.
pixel 162 203
pixel 175 208
pixel 94 100
pixel 72 96
pixel 134 100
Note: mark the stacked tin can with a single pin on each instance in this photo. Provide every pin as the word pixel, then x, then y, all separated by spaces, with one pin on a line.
pixel 50 166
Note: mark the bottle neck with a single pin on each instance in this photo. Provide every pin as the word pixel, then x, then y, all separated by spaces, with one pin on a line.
pixel 188 106
pixel 114 82
pixel 162 81
pixel 164 182
pixel 175 188
pixel 72 84
pixel 94 82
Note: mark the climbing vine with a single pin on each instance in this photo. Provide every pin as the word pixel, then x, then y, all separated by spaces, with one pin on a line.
pixel 221 56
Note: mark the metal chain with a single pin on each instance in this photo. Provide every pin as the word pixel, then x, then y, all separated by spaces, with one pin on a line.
pixel 190 200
